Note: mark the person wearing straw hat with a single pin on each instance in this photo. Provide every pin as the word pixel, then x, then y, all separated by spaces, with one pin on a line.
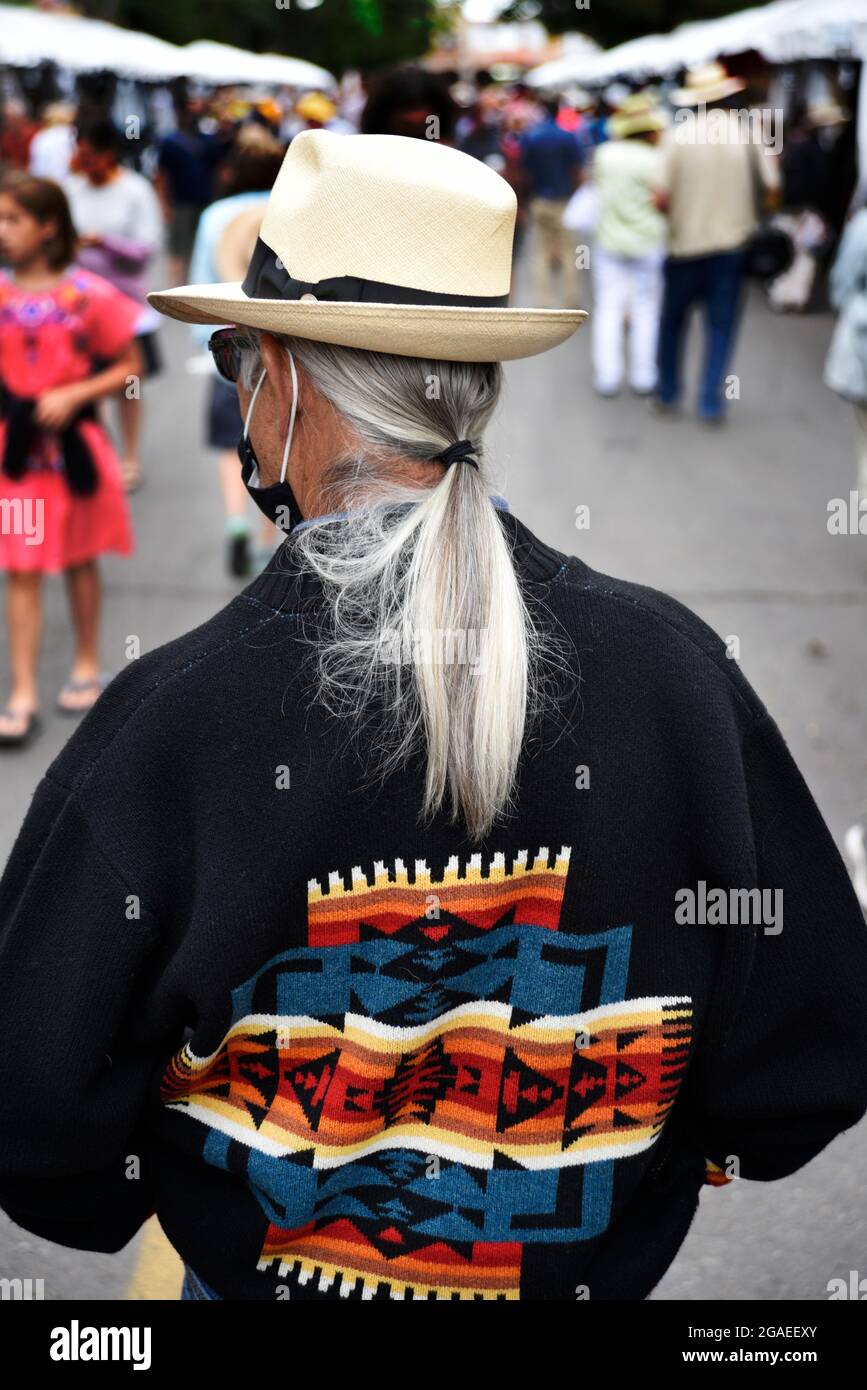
pixel 353 911
pixel 707 84
pixel 711 171
pixel 316 111
pixel 629 246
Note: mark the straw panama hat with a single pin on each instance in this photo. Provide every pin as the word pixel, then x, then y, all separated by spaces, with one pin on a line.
pixel 826 113
pixel 637 115
pixel 385 243
pixel 237 242
pixel 710 82
pixel 315 106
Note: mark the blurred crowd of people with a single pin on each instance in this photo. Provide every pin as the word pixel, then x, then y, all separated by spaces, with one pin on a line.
pixel 625 200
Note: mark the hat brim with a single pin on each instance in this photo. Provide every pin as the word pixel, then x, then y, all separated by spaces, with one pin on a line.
pixel 829 119
pixel 621 127
pixel 692 96
pixel 444 332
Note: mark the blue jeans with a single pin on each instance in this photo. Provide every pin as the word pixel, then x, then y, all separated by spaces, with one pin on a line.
pixel 194 1288
pixel 716 282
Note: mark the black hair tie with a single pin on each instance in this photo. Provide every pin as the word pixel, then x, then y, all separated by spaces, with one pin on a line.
pixel 460 452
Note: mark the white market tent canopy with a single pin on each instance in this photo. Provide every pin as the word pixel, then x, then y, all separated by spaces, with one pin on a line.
pixel 782 32
pixel 220 62
pixel 30 36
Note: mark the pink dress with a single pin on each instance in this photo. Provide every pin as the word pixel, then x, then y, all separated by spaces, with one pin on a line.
pixel 52 338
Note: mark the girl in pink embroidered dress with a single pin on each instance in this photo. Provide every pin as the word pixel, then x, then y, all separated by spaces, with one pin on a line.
pixel 61 498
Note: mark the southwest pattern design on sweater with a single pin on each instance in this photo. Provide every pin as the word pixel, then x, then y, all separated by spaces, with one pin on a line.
pixel 439 1080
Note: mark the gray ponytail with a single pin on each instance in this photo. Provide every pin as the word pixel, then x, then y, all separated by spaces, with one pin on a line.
pixel 428 625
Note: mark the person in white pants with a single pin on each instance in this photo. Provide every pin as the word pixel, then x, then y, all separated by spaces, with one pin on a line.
pixel 626 286
pixel 629 248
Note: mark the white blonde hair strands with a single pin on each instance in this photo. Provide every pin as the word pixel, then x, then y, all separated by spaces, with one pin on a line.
pixel 428 631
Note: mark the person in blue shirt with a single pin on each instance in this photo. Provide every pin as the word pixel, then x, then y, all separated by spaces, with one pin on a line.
pixel 551 160
pixel 185 181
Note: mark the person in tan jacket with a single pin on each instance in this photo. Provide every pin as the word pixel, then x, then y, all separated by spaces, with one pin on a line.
pixel 716 175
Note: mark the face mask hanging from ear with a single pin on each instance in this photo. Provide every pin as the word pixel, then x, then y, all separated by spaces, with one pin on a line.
pixel 277 502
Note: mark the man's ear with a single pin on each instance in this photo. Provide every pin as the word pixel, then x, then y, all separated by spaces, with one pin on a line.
pixel 276 362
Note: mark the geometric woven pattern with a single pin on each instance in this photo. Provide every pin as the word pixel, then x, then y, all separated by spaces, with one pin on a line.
pixel 714 1175
pixel 438 1084
pixel 470 1086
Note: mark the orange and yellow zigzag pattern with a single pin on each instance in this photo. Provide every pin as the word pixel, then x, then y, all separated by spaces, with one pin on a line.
pixel 534 891
pixel 465 1086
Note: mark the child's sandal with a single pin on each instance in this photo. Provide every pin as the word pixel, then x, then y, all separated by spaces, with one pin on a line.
pixel 75 686
pixel 32 724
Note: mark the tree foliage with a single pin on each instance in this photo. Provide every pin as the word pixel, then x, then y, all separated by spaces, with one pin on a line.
pixel 337 34
pixel 611 22
pixel 372 34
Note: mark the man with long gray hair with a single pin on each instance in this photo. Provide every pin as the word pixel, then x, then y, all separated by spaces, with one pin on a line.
pixel 355 910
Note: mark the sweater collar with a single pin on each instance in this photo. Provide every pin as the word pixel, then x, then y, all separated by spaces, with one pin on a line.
pixel 499 502
pixel 285 585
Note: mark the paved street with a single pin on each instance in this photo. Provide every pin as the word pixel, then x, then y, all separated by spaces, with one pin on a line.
pixel 733 523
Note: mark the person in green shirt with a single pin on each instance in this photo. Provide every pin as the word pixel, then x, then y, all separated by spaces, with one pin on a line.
pixel 629 247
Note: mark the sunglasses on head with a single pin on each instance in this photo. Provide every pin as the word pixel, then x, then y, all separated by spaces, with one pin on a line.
pixel 225 348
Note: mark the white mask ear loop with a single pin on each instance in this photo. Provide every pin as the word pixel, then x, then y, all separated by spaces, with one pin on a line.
pixel 253 402
pixel 288 445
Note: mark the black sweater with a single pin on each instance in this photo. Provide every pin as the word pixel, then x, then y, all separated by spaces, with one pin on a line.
pixel 343 1056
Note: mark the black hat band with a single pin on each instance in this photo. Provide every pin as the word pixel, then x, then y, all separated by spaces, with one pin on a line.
pixel 267 278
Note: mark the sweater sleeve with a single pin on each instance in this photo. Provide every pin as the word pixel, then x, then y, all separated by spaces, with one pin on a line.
pixel 788 1071
pixel 73 1068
